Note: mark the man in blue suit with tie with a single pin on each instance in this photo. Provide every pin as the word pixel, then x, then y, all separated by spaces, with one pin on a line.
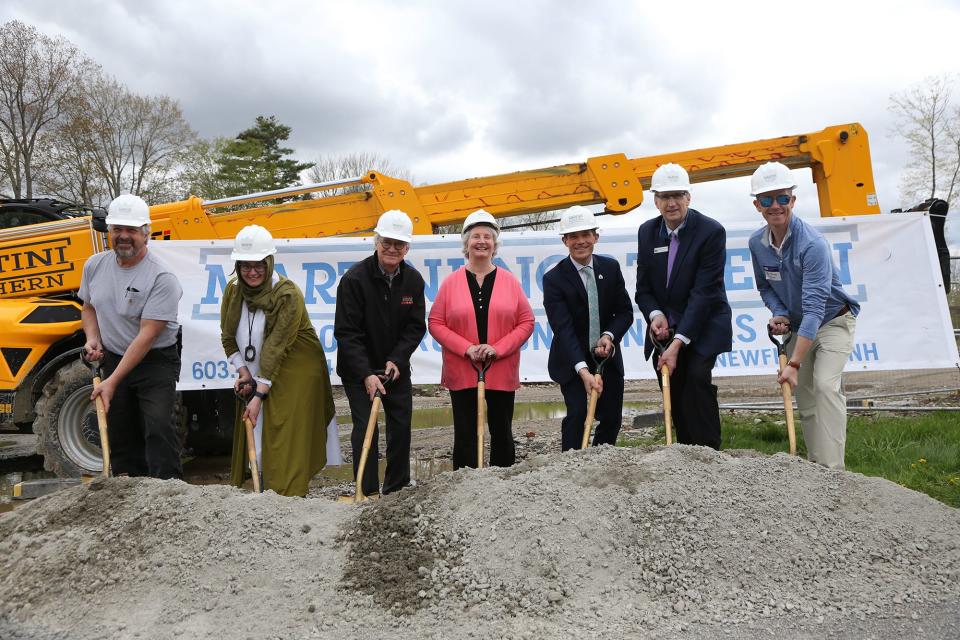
pixel 588 309
pixel 680 260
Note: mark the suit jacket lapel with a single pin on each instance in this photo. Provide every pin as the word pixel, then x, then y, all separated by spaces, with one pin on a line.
pixel 573 277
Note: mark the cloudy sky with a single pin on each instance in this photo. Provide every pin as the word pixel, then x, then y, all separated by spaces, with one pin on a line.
pixel 453 90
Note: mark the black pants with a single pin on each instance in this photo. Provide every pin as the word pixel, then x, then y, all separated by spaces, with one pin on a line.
pixel 609 412
pixel 499 421
pixel 693 398
pixel 140 423
pixel 398 407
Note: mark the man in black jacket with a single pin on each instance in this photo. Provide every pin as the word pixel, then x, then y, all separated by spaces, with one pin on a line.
pixel 380 320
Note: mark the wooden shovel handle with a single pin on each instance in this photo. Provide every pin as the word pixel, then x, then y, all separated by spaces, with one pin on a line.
pixel 788 407
pixel 367 442
pixel 481 411
pixel 104 437
pixel 667 407
pixel 591 411
pixel 252 455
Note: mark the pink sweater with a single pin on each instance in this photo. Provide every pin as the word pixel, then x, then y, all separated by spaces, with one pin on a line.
pixel 453 323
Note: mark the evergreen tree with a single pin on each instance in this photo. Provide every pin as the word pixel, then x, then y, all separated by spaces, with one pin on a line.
pixel 255 161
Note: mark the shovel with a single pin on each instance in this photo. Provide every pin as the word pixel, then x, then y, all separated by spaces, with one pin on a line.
pixel 481 405
pixel 785 387
pixel 101 416
pixel 660 347
pixel 592 405
pixel 367 442
pixel 251 444
pixel 252 457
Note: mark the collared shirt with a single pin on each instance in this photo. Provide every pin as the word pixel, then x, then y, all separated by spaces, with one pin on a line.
pixel 388 276
pixel 666 233
pixel 583 278
pixel 798 280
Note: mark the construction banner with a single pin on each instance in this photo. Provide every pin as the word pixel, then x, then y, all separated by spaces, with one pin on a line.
pixel 886 262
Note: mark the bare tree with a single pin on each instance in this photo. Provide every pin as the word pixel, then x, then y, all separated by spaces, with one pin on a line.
pixel 926 122
pixel 351 165
pixel 133 142
pixel 38 79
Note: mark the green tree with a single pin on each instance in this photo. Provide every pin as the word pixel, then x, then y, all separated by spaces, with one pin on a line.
pixel 255 161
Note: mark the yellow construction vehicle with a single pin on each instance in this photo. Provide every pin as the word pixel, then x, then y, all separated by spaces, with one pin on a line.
pixel 44 244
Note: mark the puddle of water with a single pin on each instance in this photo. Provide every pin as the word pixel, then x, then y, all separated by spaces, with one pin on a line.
pixel 443 416
pixel 7 480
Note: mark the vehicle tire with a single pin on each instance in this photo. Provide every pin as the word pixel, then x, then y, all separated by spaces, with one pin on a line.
pixel 68 437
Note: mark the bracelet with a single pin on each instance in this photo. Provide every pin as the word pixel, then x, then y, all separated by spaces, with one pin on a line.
pixel 795 365
pixel 259 394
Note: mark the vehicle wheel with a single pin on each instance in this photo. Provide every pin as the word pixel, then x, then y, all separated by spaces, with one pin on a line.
pixel 68 437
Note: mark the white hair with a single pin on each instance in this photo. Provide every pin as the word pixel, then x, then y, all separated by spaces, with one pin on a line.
pixel 496 238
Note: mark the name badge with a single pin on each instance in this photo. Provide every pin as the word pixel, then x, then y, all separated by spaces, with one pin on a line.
pixel 661 249
pixel 772 274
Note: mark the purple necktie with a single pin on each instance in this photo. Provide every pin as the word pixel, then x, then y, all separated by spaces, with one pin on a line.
pixel 671 255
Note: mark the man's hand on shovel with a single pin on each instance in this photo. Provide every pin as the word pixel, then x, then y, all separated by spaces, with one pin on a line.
pixel 104 391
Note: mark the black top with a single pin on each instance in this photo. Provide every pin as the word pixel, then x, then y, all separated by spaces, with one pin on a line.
pixel 377 319
pixel 481 301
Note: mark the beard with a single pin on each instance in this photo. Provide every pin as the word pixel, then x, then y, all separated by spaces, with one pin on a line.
pixel 125 250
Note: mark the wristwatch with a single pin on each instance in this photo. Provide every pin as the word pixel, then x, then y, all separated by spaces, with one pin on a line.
pixel 795 365
pixel 259 394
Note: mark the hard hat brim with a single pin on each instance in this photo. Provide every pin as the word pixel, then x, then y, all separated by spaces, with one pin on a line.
pixel 235 256
pixel 776 187
pixel 583 227
pixel 126 222
pixel 394 236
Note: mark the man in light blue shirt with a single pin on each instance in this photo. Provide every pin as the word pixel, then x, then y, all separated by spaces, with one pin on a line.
pixel 800 285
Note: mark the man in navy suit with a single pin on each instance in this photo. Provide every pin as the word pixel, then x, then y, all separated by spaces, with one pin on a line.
pixel 680 260
pixel 589 310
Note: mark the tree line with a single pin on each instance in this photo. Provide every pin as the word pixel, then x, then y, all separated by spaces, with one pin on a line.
pixel 70 131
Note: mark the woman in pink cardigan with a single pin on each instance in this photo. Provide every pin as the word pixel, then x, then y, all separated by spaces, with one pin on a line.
pixel 481 314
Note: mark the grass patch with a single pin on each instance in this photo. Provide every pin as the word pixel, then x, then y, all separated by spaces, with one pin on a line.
pixel 918 452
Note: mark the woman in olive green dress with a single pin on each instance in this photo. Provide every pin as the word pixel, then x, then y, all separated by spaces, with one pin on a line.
pixel 282 370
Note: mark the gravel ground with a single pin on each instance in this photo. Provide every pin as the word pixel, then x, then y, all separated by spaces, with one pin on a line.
pixel 678 542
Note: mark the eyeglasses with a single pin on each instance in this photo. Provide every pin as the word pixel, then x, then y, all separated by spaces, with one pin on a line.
pixel 766 201
pixel 396 245
pixel 259 267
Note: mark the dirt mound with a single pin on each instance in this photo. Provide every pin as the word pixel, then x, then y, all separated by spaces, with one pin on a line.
pixel 607 543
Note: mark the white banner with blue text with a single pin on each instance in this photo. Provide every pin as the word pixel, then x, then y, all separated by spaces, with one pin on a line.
pixel 886 262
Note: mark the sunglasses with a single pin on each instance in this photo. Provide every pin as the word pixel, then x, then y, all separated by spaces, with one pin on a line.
pixel 258 267
pixel 783 200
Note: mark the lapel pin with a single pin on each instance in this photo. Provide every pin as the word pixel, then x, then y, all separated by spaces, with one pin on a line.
pixel 599 276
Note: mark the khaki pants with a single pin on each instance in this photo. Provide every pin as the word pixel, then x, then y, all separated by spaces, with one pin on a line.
pixel 822 407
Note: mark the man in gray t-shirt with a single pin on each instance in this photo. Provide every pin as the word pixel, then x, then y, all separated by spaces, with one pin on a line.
pixel 130 301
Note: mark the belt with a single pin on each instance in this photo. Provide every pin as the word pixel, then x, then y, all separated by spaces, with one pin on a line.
pixel 845 309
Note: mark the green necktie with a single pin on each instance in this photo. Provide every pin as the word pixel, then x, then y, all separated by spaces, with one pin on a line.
pixel 593 306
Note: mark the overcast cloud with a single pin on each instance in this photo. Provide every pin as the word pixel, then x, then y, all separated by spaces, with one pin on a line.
pixel 453 90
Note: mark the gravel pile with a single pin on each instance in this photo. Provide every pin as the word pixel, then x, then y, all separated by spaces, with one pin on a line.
pixel 608 543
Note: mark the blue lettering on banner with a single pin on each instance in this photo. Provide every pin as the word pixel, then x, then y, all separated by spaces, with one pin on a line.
pixel 327 341
pixel 313 287
pixel 743 322
pixel 738 358
pixel 843 252
pixel 216 281
pixel 731 280
pixel 636 334
pixel 431 278
pixel 865 352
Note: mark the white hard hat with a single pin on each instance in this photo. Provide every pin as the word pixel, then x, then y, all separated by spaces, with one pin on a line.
pixel 670 177
pixel 253 243
pixel 395 224
pixel 771 176
pixel 480 217
pixel 577 218
pixel 128 210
